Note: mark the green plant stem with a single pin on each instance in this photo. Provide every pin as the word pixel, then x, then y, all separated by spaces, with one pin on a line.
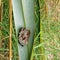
pixel 23 15
pixel 23 11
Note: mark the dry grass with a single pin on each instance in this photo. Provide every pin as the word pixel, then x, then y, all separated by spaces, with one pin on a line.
pixel 50 21
pixel 50 15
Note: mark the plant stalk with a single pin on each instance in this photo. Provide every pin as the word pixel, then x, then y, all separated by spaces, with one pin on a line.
pixel 23 11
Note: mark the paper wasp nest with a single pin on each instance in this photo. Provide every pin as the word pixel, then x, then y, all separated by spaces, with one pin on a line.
pixel 23 36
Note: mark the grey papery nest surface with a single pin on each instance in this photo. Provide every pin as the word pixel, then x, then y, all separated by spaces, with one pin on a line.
pixel 23 36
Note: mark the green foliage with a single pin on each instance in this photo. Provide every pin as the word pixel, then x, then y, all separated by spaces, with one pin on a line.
pixel 5 28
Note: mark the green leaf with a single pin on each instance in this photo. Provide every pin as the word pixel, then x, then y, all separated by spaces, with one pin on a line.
pixel 23 11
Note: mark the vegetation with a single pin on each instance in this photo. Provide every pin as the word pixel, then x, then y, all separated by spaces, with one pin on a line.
pixel 47 33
